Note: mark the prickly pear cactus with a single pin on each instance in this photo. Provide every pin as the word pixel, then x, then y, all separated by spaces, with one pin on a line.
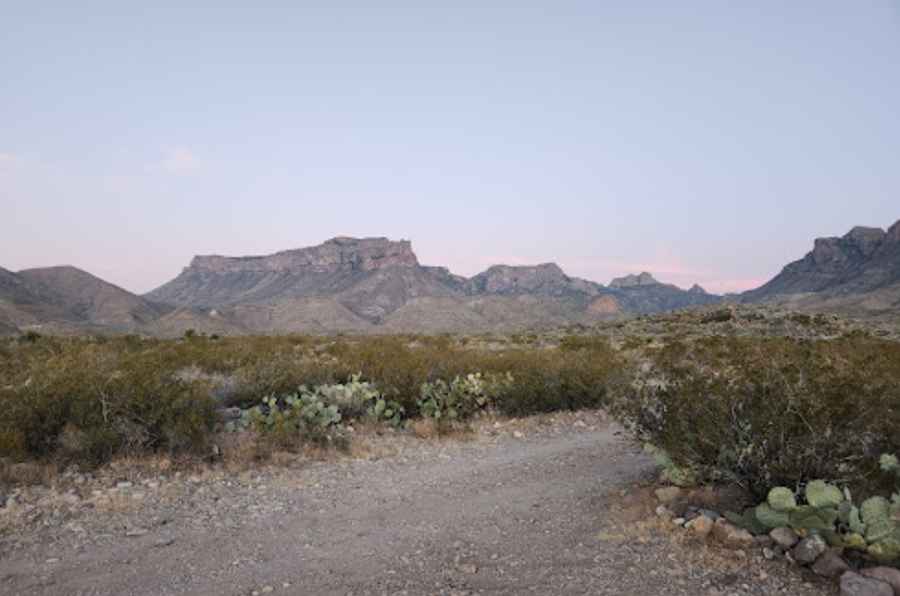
pixel 807 517
pixel 820 494
pixel 771 518
pixel 855 523
pixel 876 514
pixel 782 499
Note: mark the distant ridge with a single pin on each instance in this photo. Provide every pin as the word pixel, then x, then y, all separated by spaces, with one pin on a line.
pixel 366 284
pixel 378 285
pixel 857 273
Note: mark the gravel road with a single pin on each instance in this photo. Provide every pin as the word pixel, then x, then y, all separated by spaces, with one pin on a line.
pixel 534 512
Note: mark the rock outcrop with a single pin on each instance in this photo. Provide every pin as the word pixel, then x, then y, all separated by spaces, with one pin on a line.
pixel 863 260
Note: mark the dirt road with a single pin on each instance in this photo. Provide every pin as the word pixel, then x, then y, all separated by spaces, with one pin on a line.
pixel 512 514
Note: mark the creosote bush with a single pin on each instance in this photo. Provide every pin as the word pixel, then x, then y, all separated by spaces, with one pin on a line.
pixel 88 404
pixel 769 412
pixel 89 399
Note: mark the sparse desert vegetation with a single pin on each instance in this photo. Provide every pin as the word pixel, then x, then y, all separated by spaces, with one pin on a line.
pixel 798 412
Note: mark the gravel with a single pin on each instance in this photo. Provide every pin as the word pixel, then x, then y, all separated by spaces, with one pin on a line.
pixel 530 507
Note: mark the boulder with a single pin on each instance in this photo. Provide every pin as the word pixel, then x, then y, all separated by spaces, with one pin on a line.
pixel 889 575
pixel 854 584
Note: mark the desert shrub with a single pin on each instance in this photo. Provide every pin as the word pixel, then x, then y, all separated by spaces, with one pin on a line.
pixel 88 399
pixel 89 404
pixel 554 380
pixel 766 412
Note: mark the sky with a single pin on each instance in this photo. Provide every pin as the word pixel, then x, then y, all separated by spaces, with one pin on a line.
pixel 704 141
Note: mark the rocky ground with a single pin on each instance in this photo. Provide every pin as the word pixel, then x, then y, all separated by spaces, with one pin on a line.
pixel 549 505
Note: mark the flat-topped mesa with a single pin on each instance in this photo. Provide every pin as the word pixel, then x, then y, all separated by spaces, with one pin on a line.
pixel 510 279
pixel 337 254
pixel 631 281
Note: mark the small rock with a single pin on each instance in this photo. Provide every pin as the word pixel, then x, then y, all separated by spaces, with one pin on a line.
pixel 579 424
pixel 731 536
pixel 809 549
pixel 701 526
pixel 679 521
pixel 163 542
pixel 664 512
pixel 713 515
pixel 668 494
pixel 124 484
pixel 853 584
pixel 830 564
pixel 889 575
pixel 267 590
pixel 768 553
pixel 469 568
pixel 784 537
pixel 518 435
pixel 135 532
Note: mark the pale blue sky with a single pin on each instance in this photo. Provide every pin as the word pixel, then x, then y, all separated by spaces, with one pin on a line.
pixel 704 141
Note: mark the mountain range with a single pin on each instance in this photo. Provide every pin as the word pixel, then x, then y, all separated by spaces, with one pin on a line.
pixel 376 285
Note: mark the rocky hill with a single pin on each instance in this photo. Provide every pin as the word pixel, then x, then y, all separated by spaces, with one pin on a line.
pixel 858 273
pixel 351 285
pixel 66 299
pixel 375 284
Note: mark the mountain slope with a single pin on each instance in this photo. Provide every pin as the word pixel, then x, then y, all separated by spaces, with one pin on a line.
pixel 89 299
pixel 863 261
pixel 23 302
pixel 375 284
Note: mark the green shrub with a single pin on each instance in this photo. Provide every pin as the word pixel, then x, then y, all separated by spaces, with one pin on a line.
pixel 769 412
pixel 89 405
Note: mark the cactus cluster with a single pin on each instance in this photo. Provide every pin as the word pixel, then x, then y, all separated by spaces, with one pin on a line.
pixel 823 508
pixel 302 411
pixel 462 397
pixel 320 409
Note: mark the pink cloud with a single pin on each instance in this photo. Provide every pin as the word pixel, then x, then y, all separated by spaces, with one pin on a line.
pixel 180 160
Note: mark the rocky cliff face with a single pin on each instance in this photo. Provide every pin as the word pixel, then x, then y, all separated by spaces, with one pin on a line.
pixel 633 281
pixel 343 285
pixel 336 255
pixel 863 260
pixel 378 282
